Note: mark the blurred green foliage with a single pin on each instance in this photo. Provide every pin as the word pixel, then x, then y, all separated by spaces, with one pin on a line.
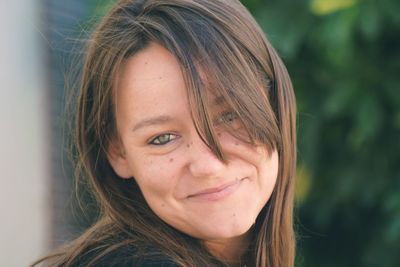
pixel 344 60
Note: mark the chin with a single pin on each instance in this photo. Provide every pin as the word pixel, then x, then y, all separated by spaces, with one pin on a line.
pixel 226 231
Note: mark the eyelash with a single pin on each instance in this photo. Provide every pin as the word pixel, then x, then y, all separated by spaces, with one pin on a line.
pixel 227 117
pixel 159 142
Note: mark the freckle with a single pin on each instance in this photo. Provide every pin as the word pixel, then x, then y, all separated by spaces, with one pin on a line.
pixel 188 145
pixel 236 143
pixel 171 160
pixel 160 78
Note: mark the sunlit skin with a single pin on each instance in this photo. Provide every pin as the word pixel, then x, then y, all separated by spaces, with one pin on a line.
pixel 181 179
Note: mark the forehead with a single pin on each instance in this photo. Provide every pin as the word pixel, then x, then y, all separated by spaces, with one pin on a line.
pixel 150 68
pixel 150 85
pixel 153 75
pixel 148 74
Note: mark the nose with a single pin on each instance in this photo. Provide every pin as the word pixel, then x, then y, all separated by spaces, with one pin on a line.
pixel 203 162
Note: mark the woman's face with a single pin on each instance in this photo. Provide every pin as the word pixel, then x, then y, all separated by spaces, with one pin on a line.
pixel 183 182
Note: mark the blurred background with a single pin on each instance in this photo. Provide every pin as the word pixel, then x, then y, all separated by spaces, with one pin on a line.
pixel 344 60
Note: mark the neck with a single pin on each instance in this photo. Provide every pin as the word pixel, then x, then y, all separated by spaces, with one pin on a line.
pixel 230 250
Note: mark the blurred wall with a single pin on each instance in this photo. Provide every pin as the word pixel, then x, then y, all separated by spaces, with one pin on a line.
pixel 24 157
pixel 63 23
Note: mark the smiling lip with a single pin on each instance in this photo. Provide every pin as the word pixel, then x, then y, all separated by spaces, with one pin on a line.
pixel 217 193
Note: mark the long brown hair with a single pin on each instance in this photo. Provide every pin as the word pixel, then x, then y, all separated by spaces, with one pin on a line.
pixel 221 49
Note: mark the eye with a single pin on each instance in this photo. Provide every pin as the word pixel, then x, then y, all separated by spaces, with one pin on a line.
pixel 227 117
pixel 162 139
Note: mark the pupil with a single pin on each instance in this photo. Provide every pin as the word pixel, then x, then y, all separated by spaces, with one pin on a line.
pixel 164 138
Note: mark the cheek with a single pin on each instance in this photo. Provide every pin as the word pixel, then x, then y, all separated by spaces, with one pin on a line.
pixel 265 163
pixel 156 177
pixel 255 155
pixel 268 172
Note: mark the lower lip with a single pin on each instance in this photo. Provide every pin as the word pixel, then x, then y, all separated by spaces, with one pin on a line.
pixel 215 196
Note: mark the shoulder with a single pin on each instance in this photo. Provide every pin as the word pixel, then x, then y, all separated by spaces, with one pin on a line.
pixel 105 245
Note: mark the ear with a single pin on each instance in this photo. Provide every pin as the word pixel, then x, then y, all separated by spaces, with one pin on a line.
pixel 117 158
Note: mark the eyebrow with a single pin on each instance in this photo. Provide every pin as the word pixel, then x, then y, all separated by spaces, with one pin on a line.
pixel 162 119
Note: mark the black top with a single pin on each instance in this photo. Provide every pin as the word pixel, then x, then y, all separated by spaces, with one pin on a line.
pixel 124 257
pixel 139 253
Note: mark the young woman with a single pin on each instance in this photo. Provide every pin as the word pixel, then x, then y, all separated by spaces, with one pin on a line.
pixel 186 132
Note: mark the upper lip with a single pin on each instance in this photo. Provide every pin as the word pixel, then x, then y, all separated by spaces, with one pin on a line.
pixel 215 189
